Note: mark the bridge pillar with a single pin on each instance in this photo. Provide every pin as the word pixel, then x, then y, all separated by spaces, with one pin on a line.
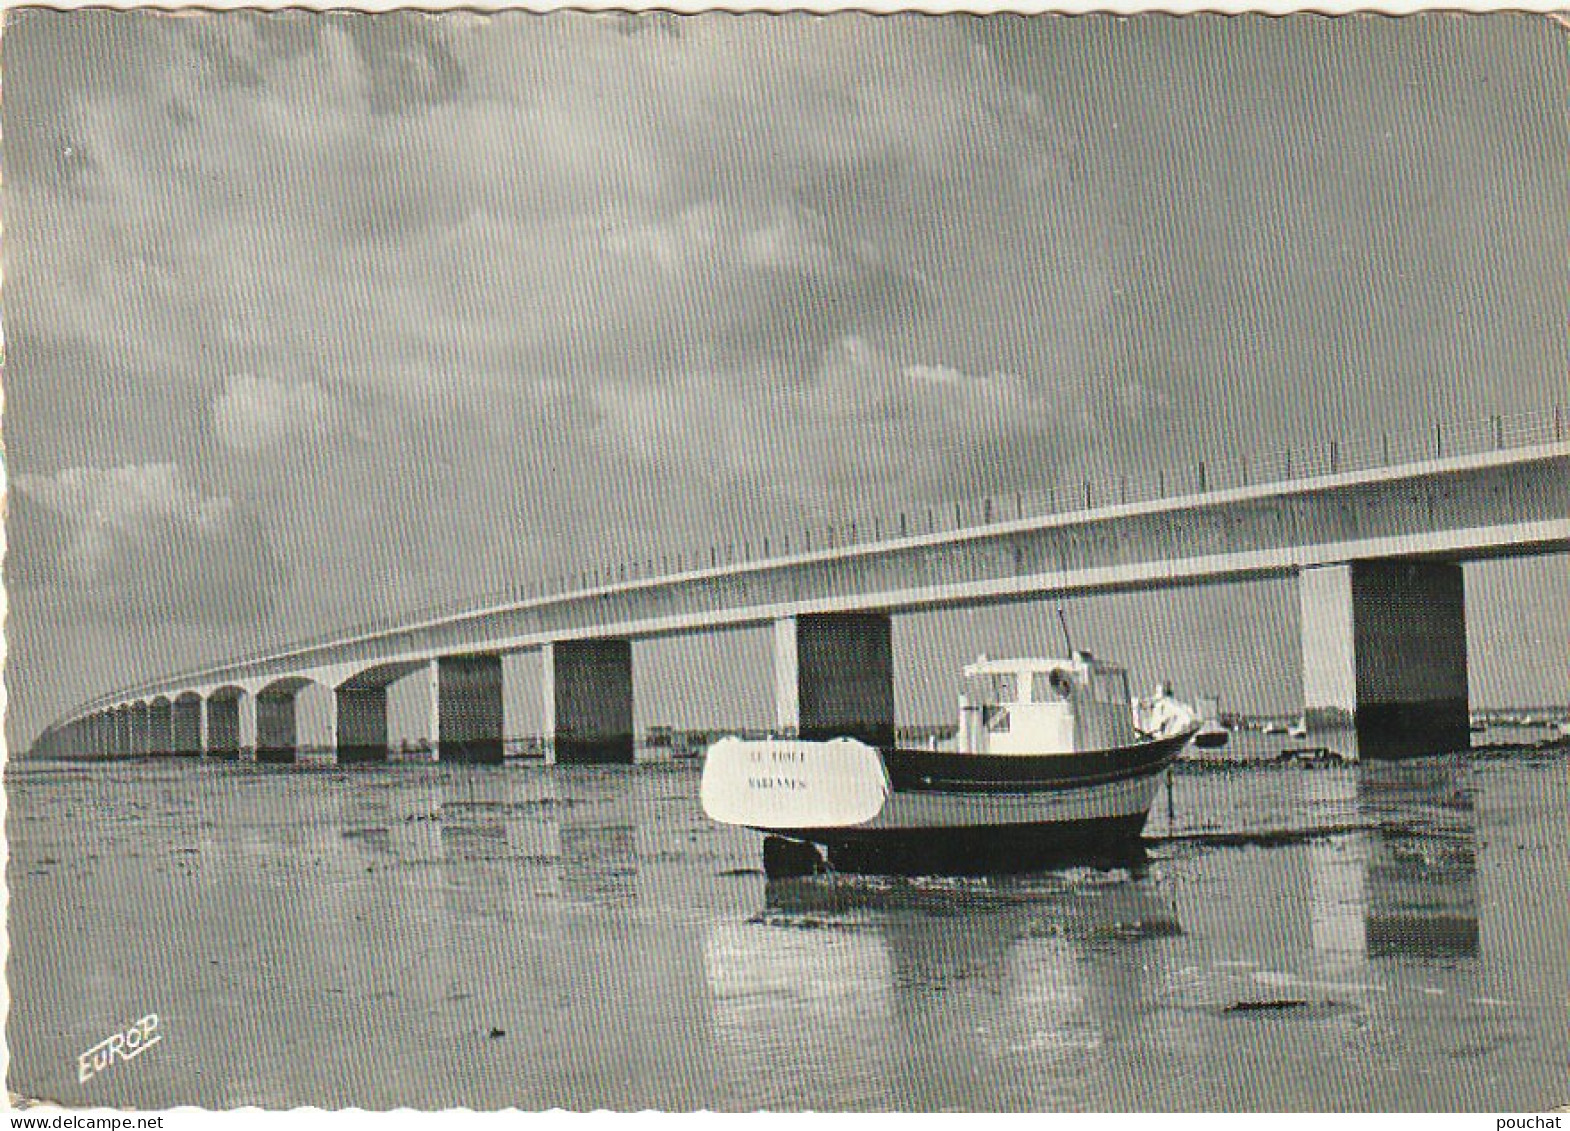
pixel 141 731
pixel 227 730
pixel 587 710
pixel 185 725
pixel 314 719
pixel 469 708
pixel 1384 658
pixel 275 727
pixel 159 726
pixel 360 724
pixel 248 727
pixel 834 676
pixel 119 732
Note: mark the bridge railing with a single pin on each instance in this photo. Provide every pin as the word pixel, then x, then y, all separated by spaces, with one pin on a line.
pixel 1066 494
pixel 1070 493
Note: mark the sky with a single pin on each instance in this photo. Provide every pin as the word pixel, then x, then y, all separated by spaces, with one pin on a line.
pixel 312 318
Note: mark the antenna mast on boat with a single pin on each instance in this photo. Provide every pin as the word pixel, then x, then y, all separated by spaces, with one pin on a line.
pixel 1063 623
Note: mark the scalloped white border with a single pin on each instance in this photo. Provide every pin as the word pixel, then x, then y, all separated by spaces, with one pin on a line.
pixel 1559 9
pixel 461 1119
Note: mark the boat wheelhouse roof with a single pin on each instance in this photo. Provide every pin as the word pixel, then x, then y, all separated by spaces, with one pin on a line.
pixel 1024 664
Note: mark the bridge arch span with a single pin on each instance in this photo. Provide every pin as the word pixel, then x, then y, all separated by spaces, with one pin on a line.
pixel 382 676
pixel 294 716
pixel 160 722
pixel 141 728
pixel 285 686
pixel 120 729
pixel 185 723
pixel 360 713
pixel 228 707
pixel 462 706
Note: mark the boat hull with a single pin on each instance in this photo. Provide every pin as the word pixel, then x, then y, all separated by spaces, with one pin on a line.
pixel 1210 738
pixel 973 813
pixel 982 849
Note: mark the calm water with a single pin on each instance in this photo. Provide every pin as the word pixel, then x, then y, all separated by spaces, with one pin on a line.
pixel 582 938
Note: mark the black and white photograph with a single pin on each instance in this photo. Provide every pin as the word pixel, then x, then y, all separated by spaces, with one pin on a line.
pixel 791 561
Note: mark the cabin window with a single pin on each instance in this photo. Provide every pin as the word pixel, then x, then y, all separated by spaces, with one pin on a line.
pixel 997 687
pixel 1111 688
pixel 1048 687
pixel 997 720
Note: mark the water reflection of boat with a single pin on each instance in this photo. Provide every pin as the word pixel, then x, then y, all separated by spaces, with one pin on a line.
pixel 1008 908
pixel 1049 763
pixel 963 980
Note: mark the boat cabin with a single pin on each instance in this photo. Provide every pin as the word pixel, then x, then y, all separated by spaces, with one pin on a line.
pixel 1044 706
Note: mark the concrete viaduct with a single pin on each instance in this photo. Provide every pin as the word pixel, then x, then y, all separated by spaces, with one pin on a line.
pixel 1378 554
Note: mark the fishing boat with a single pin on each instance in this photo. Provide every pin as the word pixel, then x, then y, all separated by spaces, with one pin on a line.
pixel 1051 760
pixel 1211 735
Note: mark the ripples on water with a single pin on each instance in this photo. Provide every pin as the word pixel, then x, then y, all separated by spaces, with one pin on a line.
pixel 1333 937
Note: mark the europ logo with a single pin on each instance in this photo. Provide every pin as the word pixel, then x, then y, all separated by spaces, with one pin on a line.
pixel 137 1039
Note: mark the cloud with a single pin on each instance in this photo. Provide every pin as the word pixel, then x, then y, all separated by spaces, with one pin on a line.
pixel 103 504
pixel 716 239
pixel 673 245
pixel 549 193
pixel 887 434
pixel 258 412
pixel 1000 390
pixel 538 288
pixel 138 543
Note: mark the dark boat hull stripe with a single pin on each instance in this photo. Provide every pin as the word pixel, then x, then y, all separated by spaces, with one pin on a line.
pixel 922 771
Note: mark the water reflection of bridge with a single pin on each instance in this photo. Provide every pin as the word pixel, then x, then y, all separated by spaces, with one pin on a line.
pixel 1408 885
pixel 598 920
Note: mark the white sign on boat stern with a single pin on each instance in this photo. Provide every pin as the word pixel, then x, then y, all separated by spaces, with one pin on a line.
pixel 786 784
